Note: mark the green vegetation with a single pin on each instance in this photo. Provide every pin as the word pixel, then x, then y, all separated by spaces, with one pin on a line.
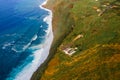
pixel 96 63
pixel 97 57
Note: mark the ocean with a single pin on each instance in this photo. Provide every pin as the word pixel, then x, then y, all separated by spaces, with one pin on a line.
pixel 25 37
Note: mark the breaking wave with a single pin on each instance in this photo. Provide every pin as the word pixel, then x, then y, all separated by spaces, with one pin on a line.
pixel 40 53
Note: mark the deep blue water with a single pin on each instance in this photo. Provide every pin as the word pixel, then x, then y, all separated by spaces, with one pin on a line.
pixel 20 22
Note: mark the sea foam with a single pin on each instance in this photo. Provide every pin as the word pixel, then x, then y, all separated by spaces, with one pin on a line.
pixel 39 55
pixel 24 47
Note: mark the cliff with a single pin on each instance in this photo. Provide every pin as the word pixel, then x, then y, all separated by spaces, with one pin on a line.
pixel 98 50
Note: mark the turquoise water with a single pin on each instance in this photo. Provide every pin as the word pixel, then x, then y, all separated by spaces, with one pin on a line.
pixel 22 26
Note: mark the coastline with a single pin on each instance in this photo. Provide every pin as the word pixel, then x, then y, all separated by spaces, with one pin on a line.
pixel 57 40
pixel 49 36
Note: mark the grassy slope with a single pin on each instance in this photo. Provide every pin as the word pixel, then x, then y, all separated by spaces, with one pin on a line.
pixel 98 52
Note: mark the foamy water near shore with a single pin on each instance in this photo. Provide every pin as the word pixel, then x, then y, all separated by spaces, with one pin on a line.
pixel 40 53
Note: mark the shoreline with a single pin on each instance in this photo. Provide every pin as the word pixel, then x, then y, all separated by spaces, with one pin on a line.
pixel 57 40
pixel 48 20
pixel 44 51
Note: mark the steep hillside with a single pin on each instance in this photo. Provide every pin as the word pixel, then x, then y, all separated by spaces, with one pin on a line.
pixel 98 50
